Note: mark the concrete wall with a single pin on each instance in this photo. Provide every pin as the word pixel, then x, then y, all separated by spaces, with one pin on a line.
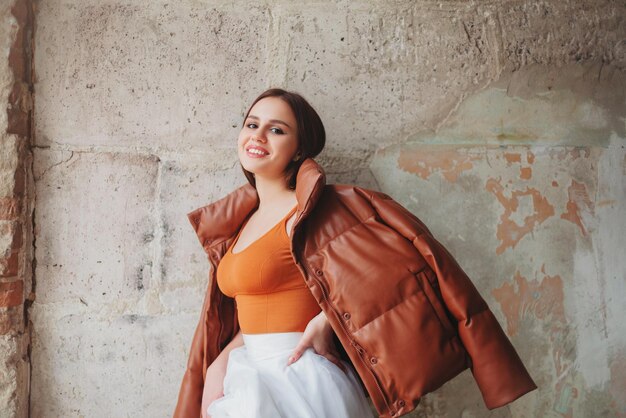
pixel 500 124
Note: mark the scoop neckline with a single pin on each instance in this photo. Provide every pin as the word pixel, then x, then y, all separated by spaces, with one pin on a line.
pixel 281 223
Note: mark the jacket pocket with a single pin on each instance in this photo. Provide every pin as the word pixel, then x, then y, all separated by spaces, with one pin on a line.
pixel 408 351
pixel 431 290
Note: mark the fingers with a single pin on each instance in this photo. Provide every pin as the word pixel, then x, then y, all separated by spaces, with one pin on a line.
pixel 297 353
pixel 332 357
pixel 336 360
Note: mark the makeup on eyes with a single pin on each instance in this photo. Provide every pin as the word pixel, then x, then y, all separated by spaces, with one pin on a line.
pixel 271 120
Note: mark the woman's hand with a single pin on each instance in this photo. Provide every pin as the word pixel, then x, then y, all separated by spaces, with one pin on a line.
pixel 214 383
pixel 319 335
pixel 214 380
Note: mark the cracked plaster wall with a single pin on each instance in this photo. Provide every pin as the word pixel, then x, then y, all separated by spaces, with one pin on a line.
pixel 500 124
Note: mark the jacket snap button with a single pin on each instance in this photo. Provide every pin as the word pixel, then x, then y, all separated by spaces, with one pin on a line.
pixel 401 402
pixel 373 360
pixel 319 272
pixel 346 315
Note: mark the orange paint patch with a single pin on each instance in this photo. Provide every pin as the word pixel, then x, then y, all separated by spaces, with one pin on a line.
pixel 542 300
pixel 508 232
pixel 525 173
pixel 516 157
pixel 533 300
pixel 427 160
pixel 578 198
pixel 513 157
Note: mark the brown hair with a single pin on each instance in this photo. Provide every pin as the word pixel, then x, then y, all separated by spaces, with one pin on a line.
pixel 311 133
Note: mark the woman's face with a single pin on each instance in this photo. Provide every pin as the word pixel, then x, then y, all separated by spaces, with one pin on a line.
pixel 271 129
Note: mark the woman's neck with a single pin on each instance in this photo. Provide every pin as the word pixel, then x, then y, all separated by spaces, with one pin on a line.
pixel 274 194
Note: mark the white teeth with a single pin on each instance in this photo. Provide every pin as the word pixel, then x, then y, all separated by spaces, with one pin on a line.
pixel 255 151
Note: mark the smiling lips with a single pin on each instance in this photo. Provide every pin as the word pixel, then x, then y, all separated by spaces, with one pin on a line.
pixel 256 152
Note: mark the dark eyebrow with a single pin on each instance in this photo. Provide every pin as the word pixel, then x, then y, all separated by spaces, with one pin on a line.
pixel 271 120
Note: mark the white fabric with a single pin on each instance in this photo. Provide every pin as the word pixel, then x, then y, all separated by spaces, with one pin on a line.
pixel 259 384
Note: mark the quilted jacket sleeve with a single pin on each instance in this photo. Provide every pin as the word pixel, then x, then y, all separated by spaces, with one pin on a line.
pixel 495 365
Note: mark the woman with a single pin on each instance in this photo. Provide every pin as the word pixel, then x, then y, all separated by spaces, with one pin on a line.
pixel 345 280
pixel 289 365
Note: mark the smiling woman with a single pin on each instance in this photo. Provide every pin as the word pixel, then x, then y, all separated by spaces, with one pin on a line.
pixel 279 131
pixel 266 143
pixel 283 361
pixel 322 295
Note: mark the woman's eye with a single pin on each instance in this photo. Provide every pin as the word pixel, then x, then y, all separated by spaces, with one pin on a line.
pixel 275 130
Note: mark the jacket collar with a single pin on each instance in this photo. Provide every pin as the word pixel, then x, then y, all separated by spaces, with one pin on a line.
pixel 219 221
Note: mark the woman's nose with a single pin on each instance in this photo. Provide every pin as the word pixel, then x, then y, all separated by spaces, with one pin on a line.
pixel 259 138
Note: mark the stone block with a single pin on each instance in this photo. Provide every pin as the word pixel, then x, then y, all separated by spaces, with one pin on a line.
pixel 94 228
pixel 185 186
pixel 170 76
pixel 116 366
pixel 377 72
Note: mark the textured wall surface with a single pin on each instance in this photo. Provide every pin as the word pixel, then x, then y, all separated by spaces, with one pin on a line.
pixel 16 290
pixel 500 124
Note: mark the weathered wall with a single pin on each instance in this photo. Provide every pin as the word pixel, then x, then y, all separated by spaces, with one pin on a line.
pixel 500 124
pixel 15 206
pixel 525 184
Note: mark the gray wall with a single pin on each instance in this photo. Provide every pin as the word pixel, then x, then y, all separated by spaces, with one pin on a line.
pixel 500 124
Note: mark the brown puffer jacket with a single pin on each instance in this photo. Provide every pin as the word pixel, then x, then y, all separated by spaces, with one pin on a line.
pixel 405 314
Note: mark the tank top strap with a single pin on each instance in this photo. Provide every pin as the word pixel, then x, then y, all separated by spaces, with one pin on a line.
pixel 293 209
pixel 283 223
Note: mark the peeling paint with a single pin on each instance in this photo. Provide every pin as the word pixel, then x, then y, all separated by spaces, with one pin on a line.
pixel 426 160
pixel 508 231
pixel 512 157
pixel 578 200
pixel 617 384
pixel 541 299
pixel 525 173
pixel 516 157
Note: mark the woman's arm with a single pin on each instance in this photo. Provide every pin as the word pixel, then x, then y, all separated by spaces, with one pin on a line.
pixel 214 381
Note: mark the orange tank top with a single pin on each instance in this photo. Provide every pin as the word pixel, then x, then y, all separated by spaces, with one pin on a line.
pixel 268 287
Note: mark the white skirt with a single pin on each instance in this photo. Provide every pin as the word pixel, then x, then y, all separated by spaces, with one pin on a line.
pixel 259 384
